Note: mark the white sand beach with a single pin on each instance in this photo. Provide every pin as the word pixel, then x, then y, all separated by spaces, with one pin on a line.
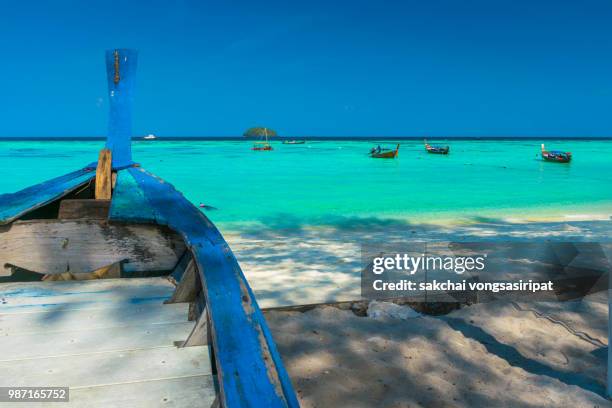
pixel 497 354
pixel 313 265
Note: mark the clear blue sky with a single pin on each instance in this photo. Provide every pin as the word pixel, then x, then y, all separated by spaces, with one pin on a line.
pixel 335 68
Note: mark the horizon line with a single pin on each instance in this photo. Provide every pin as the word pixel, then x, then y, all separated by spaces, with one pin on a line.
pixel 314 138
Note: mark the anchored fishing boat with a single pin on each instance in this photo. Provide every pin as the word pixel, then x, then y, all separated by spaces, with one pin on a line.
pixel 185 328
pixel 293 142
pixel 436 149
pixel 263 144
pixel 556 155
pixel 380 153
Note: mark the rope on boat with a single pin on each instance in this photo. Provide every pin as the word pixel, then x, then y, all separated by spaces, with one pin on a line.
pixel 116 78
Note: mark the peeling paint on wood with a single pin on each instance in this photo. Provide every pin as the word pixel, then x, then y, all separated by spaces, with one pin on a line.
pixel 14 205
pixel 250 370
pixel 129 203
pixel 55 246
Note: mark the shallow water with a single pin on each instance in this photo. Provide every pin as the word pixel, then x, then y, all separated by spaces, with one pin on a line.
pixel 324 181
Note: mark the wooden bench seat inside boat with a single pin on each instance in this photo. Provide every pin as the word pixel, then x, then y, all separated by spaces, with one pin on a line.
pixel 83 208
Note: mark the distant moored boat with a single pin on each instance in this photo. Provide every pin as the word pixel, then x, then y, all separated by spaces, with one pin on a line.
pixel 384 153
pixel 556 155
pixel 150 136
pixel 262 145
pixel 436 149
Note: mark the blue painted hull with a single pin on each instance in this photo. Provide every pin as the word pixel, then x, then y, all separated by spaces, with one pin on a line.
pixel 249 367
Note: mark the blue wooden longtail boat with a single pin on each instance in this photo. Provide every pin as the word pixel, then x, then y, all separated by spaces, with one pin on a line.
pixel 434 149
pixel 114 219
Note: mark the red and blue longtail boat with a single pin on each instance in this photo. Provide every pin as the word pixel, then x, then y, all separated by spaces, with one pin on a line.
pixel 556 155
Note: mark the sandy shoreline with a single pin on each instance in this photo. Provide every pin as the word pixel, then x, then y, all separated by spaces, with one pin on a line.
pixel 496 354
pixel 310 265
pixel 599 213
pixel 499 354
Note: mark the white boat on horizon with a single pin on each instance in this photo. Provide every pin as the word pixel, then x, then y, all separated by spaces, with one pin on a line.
pixel 150 136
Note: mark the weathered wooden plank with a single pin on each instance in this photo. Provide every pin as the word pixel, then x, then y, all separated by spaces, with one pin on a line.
pixel 14 205
pixel 199 334
pixel 250 369
pixel 33 289
pixel 97 348
pixel 46 296
pixel 103 175
pixel 86 319
pixel 92 304
pixel 87 370
pixel 52 246
pixel 82 208
pixel 187 392
pixel 187 289
pixel 71 343
pixel 179 270
pixel 190 392
pixel 198 306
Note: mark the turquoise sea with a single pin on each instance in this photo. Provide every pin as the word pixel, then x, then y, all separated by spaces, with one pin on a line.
pixel 325 181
